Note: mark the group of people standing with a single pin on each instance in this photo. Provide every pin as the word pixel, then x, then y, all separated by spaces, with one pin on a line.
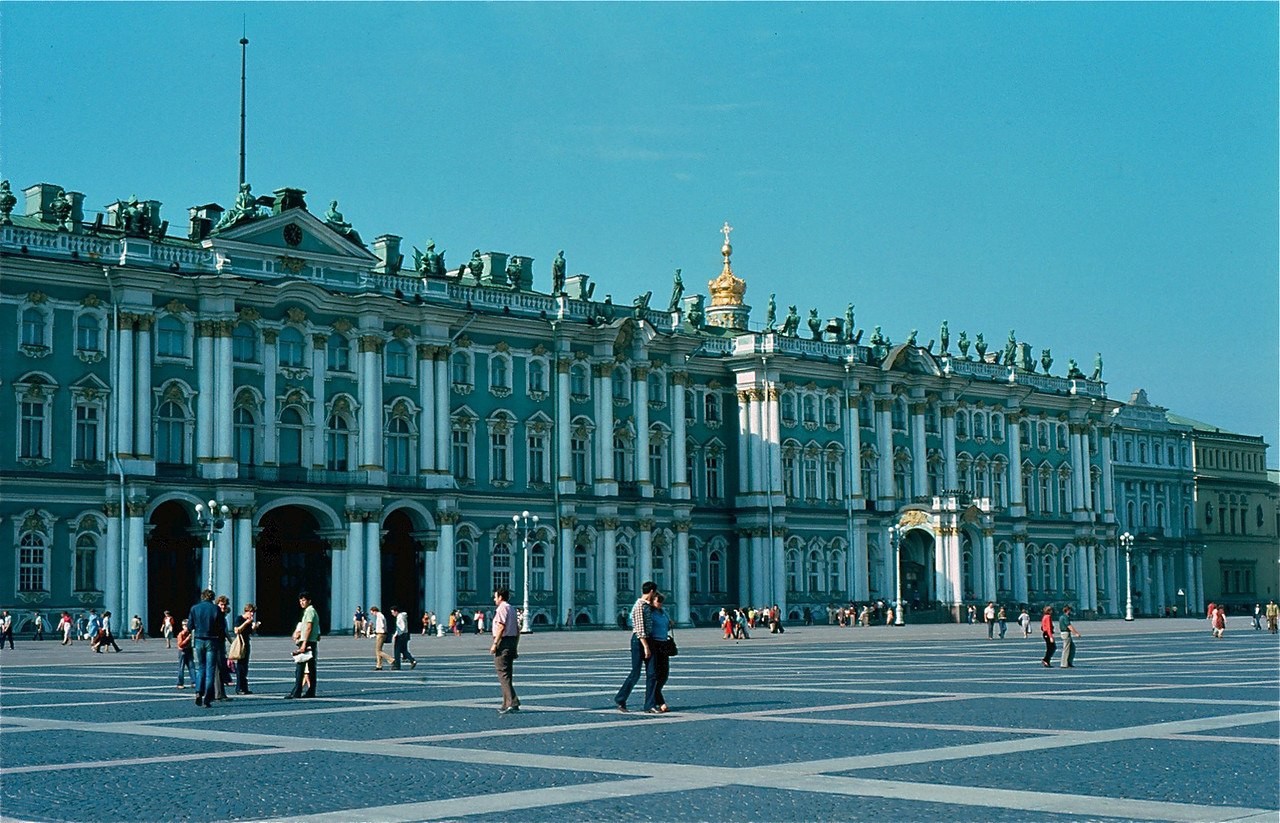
pixel 1068 632
pixel 202 647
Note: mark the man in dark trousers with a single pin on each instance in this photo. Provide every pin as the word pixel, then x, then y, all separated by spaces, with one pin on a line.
pixel 506 640
pixel 304 657
pixel 641 629
pixel 208 631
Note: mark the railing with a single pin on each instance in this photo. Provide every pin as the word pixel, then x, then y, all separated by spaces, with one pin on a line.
pixel 57 242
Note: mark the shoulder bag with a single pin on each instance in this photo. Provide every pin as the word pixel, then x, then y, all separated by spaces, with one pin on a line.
pixel 237 650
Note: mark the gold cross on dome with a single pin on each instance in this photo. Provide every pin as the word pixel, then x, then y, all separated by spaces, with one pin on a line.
pixel 725 230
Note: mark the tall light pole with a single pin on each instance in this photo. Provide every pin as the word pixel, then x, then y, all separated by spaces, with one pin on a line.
pixel 1126 540
pixel 521 522
pixel 895 538
pixel 213 519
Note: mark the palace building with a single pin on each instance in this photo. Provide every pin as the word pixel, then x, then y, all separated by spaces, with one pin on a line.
pixel 372 425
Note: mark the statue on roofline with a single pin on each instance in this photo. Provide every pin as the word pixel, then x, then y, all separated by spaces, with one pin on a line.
pixel 514 270
pixel 963 344
pixel 677 291
pixel 476 264
pixel 911 338
pixel 61 208
pixel 1097 367
pixel 7 202
pixel 428 263
pixel 791 322
pixel 557 274
pixel 815 325
pixel 334 218
pixel 1073 370
pixel 1011 348
pixel 980 346
pixel 848 322
pixel 770 314
pixel 944 334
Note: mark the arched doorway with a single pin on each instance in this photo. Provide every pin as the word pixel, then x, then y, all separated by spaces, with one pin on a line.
pixel 174 575
pixel 291 557
pixel 918 569
pixel 403 557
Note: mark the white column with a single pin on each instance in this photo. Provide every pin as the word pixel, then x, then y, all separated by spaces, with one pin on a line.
pixel 744 567
pixel 1111 570
pixel 319 363
pixel 854 440
pixel 748 426
pixel 137 560
pixel 609 587
pixel 426 409
pixel 1078 470
pixel 371 403
pixel 373 561
pixel 604 423
pixel 564 570
pixel 919 450
pixel 859 571
pixel 682 573
pixel 353 557
pixel 640 394
pixel 773 440
pixel 955 581
pixel 679 446
pixel 125 400
pixel 949 447
pixel 1013 437
pixel 563 419
pixel 1086 464
pixel 1189 571
pixel 888 575
pixel 884 434
pixel 645 548
pixel 1108 478
pixel 246 567
pixel 224 399
pixel 1160 594
pixel 142 405
pixel 761 570
pixel 1144 578
pixel 1019 569
pixel 989 565
pixel 443 409
pixel 776 558
pixel 116 536
pixel 224 561
pixel 339 585
pixel 1093 576
pixel 446 571
pixel 1199 603
pixel 270 370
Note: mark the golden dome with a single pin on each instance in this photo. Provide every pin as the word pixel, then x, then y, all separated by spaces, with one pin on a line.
pixel 727 289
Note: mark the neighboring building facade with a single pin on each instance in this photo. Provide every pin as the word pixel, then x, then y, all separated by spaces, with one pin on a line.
pixel 372 429
pixel 1155 498
pixel 1235 510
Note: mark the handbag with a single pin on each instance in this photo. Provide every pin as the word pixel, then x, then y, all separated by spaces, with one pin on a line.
pixel 672 649
pixel 237 650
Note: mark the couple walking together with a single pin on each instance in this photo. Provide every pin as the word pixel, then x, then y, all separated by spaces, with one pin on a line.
pixel 651 647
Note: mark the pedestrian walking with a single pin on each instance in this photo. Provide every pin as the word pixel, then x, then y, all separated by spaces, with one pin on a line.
pixel 1002 618
pixel 136 634
pixel 1273 616
pixel 93 631
pixel 1046 631
pixel 400 640
pixel 208 631
pixel 641 630
pixel 6 629
pixel 1219 621
pixel 1257 617
pixel 379 621
pixel 661 645
pixel 66 625
pixel 186 658
pixel 304 657
pixel 220 649
pixel 357 622
pixel 989 617
pixel 1024 620
pixel 506 641
pixel 38 629
pixel 108 636
pixel 1069 633
pixel 166 629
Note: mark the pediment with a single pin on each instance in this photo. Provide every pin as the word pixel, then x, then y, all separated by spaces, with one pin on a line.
pixel 292 233
pixel 909 358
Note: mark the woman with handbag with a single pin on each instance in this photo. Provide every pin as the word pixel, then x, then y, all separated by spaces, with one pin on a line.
pixel 239 651
pixel 662 646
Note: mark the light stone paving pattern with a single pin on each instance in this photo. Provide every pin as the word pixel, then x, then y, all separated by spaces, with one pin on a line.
pixel 1158 721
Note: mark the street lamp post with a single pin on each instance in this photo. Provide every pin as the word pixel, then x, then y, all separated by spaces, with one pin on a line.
pixel 895 537
pixel 1183 594
pixel 1126 540
pixel 213 519
pixel 521 522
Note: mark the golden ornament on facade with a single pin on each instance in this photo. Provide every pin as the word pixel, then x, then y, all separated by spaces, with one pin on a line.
pixel 728 289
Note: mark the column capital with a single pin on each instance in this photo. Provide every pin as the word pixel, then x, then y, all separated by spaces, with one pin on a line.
pixel 603 368
pixel 679 378
pixel 645 524
pixel 918 407
pixel 608 523
pixel 136 508
pixel 371 343
pixel 682 526
pixel 755 394
pixel 145 321
pixel 319 341
pixel 640 371
pixel 268 335
pixel 568 521
pixel 111 509
pixel 449 517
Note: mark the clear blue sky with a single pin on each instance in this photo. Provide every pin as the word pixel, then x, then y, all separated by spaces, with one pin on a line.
pixel 1096 176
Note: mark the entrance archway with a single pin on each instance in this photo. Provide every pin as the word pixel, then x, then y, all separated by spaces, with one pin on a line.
pixel 291 557
pixel 918 579
pixel 402 561
pixel 174 577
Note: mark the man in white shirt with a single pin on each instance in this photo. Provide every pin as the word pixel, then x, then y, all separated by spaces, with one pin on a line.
pixel 400 641
pixel 379 621
pixel 6 629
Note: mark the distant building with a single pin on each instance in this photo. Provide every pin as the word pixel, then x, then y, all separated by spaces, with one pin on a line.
pixel 372 425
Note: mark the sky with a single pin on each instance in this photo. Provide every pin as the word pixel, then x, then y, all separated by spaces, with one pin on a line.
pixel 1098 177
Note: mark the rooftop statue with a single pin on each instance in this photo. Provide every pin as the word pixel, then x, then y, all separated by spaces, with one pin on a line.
pixel 641 304
pixel 135 219
pixel 1010 348
pixel 677 291
pixel 696 313
pixel 557 273
pixel 963 343
pixel 61 208
pixel 334 218
pixel 815 325
pixel 1097 367
pixel 429 263
pixel 771 314
pixel 791 323
pixel 944 334
pixel 911 338
pixel 245 208
pixel 7 202
pixel 1073 370
pixel 476 264
pixel 514 270
pixel 877 339
pixel 857 338
pixel 848 322
pixel 980 346
pixel 1046 360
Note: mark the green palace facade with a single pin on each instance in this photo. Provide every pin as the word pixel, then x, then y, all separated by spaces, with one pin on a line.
pixel 372 418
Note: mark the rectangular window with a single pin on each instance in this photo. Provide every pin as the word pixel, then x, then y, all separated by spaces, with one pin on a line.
pixel 86 564
pixel 500 452
pixel 656 466
pixel 87 433
pixel 31 436
pixel 713 477
pixel 578 460
pixel 462 454
pixel 339 354
pixel 31 568
pixel 537 459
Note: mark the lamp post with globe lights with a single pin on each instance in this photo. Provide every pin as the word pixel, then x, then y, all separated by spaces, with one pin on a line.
pixel 1126 540
pixel 895 538
pixel 523 522
pixel 213 518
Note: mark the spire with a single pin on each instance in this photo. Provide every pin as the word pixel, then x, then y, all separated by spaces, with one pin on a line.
pixel 244 44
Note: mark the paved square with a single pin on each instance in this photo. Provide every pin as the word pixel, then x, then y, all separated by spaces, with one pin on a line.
pixel 1157 722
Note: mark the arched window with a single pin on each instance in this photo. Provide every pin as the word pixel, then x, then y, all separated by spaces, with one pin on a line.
pixel 624 456
pixel 836 572
pixel 581 569
pixel 657 389
pixel 32 562
pixel 537 376
pixel 1042 436
pixel 292 348
pixel 794 570
pixel 1067 560
pixel 171 433
pixel 1002 571
pixel 246 436
pixel 622 568
pixel 621 382
pixel 899 414
pixel 88 333
pixel 291 437
pixel 460 370
pixel 811 491
pixel 244 343
pixel 962 425
pixel 579 382
pixel 997 427
pixel 398 360
pixel 579 455
pixel 660 563
pixel 979 424
pixel 87 562
pixel 814 571
pixel 501 458
pixel 1047 564
pixel 1142 452
pixel 33 327
pixel 809 409
pixel 538 567
pixel 966 570
pixel 866 412
pixel 462 565
pixel 711 407
pixel 171 337
pixel 1064 492
pixel 339 353
pixel 398 454
pixel 715 571
pixel 337 444
pixel 787 408
pixel 1046 499
pixel 501 564
pixel 1024 433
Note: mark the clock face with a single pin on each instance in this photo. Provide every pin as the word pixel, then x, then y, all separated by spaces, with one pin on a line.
pixel 293 234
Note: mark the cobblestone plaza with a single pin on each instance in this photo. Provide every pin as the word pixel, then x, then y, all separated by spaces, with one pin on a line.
pixel 1157 722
